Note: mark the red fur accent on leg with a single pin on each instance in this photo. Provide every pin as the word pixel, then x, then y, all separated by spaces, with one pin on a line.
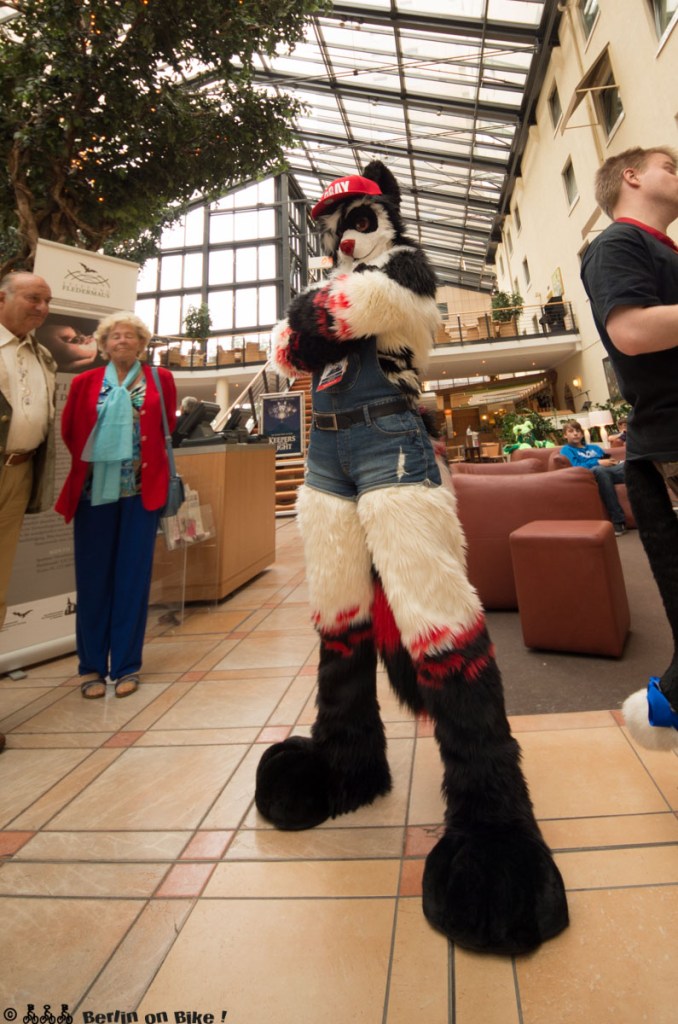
pixel 439 637
pixel 345 645
pixel 341 622
pixel 434 673
pixel 386 632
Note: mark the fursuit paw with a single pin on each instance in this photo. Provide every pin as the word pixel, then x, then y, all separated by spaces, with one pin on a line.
pixel 650 718
pixel 498 891
pixel 297 787
pixel 293 788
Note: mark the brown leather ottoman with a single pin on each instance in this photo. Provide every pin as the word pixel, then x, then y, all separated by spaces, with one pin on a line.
pixel 570 586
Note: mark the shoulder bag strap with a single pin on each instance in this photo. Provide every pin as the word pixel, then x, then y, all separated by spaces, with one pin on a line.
pixel 168 439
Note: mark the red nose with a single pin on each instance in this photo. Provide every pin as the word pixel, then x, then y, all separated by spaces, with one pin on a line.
pixel 347 246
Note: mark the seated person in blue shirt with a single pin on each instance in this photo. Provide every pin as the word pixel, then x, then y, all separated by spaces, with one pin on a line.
pixel 608 472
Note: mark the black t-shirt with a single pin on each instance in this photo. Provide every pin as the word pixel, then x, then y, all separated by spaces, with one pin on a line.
pixel 627 266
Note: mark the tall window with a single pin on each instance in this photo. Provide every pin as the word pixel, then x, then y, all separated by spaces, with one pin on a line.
pixel 664 14
pixel 555 107
pixel 608 101
pixel 509 242
pixel 516 216
pixel 570 182
pixel 526 272
pixel 589 12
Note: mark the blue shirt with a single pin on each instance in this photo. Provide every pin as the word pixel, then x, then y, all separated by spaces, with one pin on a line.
pixel 587 455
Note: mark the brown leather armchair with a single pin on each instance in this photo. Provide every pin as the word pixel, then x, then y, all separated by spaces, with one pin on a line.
pixel 491 505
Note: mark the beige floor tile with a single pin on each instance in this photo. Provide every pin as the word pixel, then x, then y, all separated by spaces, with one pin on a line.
pixel 484 990
pixel 126 976
pixel 43 699
pixel 60 668
pixel 156 737
pixel 615 964
pixel 588 772
pixel 73 713
pixel 317 843
pixel 236 799
pixel 65 740
pixel 600 869
pixel 426 802
pixel 164 699
pixel 250 597
pixel 303 879
pixel 271 651
pixel 289 616
pixel 571 720
pixel 80 880
pixel 221 704
pixel 293 701
pixel 420 975
pixel 663 767
pixel 164 788
pixel 176 656
pixel 13 700
pixel 104 846
pixel 42 946
pixel 210 621
pixel 622 830
pixel 40 812
pixel 229 947
pixel 26 774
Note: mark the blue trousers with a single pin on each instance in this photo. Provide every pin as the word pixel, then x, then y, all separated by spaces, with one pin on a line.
pixel 114 547
pixel 606 478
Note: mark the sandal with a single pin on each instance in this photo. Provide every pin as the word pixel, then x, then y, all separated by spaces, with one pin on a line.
pixel 127 685
pixel 92 686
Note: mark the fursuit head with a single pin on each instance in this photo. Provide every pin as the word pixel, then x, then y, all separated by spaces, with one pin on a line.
pixel 386 572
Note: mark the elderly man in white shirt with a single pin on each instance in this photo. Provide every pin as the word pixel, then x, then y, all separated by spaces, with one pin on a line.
pixel 27 374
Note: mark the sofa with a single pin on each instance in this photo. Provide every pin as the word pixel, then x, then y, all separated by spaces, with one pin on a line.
pixel 551 459
pixel 492 504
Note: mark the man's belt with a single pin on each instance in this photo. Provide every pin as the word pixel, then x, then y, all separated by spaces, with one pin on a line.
pixel 16 458
pixel 339 420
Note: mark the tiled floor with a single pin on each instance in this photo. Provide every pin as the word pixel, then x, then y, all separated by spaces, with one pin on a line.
pixel 138 876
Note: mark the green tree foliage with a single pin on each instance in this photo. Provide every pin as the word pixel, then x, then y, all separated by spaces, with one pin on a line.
pixel 114 113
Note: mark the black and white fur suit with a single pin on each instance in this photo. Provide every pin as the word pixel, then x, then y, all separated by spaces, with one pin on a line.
pixel 387 578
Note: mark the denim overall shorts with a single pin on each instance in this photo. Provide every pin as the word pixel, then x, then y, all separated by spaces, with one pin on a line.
pixel 364 435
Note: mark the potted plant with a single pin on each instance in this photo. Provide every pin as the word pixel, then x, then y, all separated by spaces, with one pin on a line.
pixel 506 308
pixel 197 323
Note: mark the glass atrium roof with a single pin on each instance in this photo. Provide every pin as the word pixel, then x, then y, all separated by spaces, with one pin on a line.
pixel 443 91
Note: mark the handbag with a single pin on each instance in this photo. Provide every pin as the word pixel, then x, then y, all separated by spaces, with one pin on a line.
pixel 176 492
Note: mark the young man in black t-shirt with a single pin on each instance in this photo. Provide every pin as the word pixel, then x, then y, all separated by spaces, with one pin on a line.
pixel 630 273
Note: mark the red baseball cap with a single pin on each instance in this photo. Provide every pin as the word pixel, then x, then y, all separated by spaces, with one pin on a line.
pixel 344 188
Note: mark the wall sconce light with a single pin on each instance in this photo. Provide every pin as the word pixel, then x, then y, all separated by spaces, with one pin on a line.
pixel 576 383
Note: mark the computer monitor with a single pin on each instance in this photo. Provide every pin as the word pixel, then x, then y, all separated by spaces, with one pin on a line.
pixel 238 418
pixel 197 423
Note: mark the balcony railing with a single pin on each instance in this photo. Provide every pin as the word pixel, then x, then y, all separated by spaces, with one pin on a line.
pixel 483 326
pixel 193 354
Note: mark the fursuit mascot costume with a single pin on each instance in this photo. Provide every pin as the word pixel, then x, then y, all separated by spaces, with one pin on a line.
pixel 386 572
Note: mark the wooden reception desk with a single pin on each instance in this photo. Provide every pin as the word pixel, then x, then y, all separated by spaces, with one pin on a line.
pixel 237 482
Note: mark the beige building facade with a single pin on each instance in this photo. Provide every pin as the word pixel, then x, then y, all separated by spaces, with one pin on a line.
pixel 611 84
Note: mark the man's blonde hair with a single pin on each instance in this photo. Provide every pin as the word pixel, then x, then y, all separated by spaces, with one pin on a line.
pixel 609 177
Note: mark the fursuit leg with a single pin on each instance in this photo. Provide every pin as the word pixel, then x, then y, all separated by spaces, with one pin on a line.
pixel 490 883
pixel 301 782
pixel 652 714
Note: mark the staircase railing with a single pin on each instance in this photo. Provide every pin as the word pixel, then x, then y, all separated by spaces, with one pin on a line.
pixel 267 381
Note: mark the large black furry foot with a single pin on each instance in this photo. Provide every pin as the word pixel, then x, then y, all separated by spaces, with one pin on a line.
pixel 498 891
pixel 297 788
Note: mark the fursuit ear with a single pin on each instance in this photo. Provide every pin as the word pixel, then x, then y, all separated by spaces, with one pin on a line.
pixel 376 171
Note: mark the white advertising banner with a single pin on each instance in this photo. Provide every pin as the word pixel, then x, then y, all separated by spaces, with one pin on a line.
pixel 86 287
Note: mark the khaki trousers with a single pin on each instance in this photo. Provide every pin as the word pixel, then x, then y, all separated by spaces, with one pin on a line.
pixel 15 491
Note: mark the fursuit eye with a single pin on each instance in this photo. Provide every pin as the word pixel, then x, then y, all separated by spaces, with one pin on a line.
pixel 362 224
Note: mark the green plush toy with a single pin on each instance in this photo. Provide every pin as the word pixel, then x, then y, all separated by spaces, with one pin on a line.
pixel 525 438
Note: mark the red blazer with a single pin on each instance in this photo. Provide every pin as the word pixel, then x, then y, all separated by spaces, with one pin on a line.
pixel 77 422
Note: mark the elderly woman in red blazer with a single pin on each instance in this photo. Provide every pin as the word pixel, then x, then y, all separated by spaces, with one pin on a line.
pixel 112 426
